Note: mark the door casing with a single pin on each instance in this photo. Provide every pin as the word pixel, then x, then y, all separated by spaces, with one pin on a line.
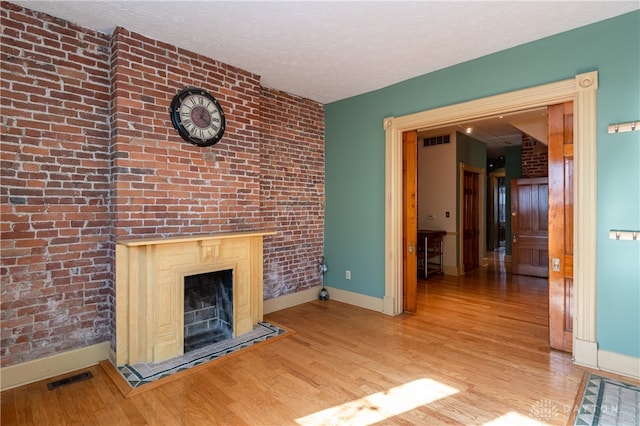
pixel 481 212
pixel 493 210
pixel 561 226
pixel 582 90
pixel 410 220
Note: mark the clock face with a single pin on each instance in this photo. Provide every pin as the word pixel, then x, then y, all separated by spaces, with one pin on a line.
pixel 198 117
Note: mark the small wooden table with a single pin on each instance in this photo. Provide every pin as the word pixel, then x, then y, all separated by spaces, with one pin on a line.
pixel 430 254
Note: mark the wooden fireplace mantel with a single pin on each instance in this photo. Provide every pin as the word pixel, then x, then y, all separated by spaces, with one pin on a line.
pixel 179 239
pixel 150 288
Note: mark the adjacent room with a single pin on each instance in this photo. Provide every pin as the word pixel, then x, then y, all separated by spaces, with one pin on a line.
pixel 282 212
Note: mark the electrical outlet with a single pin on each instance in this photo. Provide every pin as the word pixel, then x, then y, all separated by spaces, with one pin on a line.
pixel 347 274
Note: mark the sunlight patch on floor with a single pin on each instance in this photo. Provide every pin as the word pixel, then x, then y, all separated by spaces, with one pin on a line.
pixel 382 405
pixel 513 418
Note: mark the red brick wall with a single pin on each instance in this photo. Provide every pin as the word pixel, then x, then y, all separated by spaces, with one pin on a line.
pixel 89 156
pixel 56 249
pixel 292 185
pixel 164 185
pixel 535 158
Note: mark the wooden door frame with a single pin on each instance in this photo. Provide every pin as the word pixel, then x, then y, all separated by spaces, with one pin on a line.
pixel 582 90
pixel 493 227
pixel 482 206
pixel 410 221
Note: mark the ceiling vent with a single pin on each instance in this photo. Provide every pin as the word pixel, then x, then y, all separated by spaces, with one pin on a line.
pixel 437 140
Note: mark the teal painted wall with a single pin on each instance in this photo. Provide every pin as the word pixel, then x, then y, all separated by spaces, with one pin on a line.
pixel 471 151
pixel 354 218
pixel 355 207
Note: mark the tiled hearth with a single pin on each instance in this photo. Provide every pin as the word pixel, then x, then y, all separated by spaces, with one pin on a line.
pixel 142 373
pixel 150 276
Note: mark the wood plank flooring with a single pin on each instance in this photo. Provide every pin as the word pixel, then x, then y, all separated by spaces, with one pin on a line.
pixel 476 353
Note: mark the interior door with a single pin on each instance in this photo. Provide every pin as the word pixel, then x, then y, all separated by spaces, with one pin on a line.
pixel 410 220
pixel 561 226
pixel 529 224
pixel 471 221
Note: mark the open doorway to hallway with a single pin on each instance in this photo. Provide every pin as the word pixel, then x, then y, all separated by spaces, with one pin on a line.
pixel 477 159
pixel 582 91
pixel 537 205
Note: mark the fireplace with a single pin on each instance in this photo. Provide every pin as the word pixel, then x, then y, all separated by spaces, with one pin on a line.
pixel 208 309
pixel 150 289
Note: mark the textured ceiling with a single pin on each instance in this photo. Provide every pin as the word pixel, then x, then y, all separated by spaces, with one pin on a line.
pixel 331 50
pixel 499 132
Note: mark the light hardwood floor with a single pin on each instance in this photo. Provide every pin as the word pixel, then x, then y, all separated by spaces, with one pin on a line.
pixel 476 353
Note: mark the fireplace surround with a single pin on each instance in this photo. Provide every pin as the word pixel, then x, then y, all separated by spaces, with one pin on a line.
pixel 150 276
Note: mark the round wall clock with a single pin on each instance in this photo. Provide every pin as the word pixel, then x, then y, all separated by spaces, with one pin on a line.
pixel 198 117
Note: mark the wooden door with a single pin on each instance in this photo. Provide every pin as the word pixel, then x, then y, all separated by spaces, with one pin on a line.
pixel 471 221
pixel 410 220
pixel 561 226
pixel 529 225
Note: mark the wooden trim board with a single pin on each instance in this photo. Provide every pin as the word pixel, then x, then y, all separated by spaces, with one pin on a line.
pixel 24 373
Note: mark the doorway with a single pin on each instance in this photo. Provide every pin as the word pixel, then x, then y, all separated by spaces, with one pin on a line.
pixel 497 212
pixel 470 220
pixel 582 90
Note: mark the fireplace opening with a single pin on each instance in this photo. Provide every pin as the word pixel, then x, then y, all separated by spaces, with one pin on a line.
pixel 208 308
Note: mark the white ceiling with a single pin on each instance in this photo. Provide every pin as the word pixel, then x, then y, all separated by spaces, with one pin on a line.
pixel 499 132
pixel 331 50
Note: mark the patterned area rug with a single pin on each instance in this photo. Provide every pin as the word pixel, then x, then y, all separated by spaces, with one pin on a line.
pixel 142 373
pixel 608 402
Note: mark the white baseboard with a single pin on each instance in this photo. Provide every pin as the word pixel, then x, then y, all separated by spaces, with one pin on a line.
pixel 451 270
pixel 389 305
pixel 289 300
pixel 304 296
pixel 39 369
pixel 585 353
pixel 357 299
pixel 620 364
